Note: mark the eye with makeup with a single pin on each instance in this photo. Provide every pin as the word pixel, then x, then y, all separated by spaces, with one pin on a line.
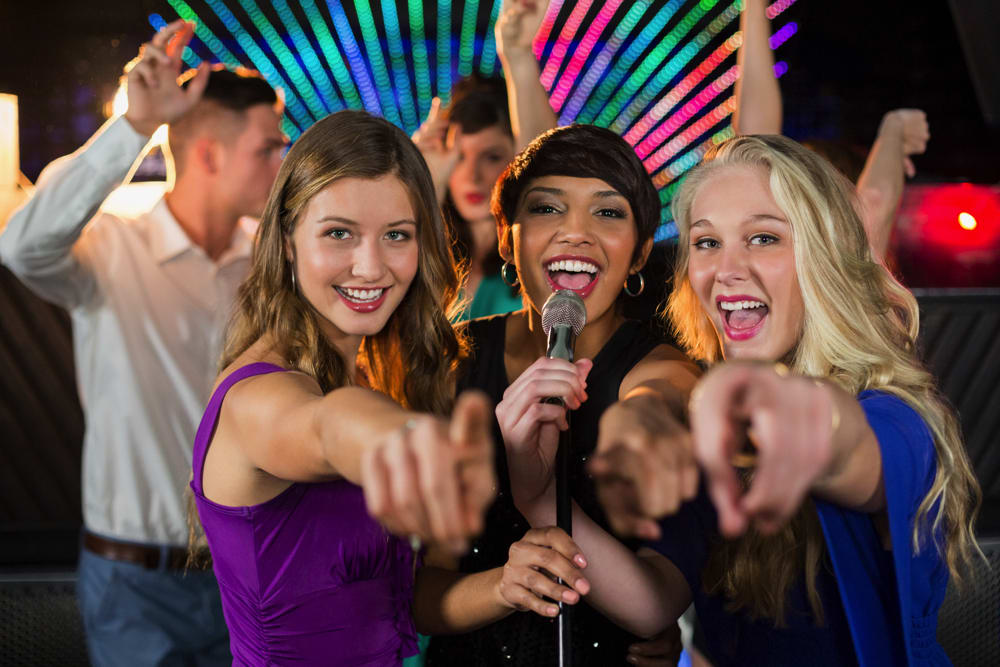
pixel 705 243
pixel 338 233
pixel 611 212
pixel 398 235
pixel 764 239
pixel 541 208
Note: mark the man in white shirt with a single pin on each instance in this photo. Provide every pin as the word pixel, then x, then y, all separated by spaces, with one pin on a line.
pixel 149 299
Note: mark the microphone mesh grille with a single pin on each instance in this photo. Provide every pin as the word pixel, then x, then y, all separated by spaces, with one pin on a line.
pixel 564 307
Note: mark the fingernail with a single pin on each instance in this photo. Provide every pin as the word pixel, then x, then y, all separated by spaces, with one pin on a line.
pixel 552 611
pixel 582 585
pixel 570 596
pixel 580 560
pixel 632 659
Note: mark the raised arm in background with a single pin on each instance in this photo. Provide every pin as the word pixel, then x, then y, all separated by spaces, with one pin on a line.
pixel 758 96
pixel 902 133
pixel 530 111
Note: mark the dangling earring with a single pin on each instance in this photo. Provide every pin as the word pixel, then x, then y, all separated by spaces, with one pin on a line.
pixel 295 287
pixel 642 284
pixel 508 273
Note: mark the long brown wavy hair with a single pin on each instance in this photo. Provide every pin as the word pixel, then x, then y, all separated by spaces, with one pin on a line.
pixel 860 331
pixel 413 358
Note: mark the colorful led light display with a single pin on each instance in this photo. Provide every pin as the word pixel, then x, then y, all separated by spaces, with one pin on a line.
pixel 657 71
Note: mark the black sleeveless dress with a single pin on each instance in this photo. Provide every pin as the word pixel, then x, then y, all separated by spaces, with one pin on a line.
pixel 525 638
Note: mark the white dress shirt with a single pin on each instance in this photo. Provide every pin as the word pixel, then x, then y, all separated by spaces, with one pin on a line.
pixel 148 309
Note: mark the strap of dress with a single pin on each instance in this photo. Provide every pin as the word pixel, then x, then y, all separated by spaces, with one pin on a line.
pixel 206 429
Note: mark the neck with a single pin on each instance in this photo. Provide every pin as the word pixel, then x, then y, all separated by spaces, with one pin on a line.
pixel 346 344
pixel 208 227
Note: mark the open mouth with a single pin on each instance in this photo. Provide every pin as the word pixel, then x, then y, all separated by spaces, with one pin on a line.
pixel 577 274
pixel 743 318
pixel 362 300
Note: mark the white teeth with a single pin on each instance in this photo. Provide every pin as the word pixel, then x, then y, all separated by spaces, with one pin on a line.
pixel 740 305
pixel 361 294
pixel 572 265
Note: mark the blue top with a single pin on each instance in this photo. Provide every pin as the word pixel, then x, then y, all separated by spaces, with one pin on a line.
pixel 881 606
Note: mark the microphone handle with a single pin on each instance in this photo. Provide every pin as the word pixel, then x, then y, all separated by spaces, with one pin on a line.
pixel 560 346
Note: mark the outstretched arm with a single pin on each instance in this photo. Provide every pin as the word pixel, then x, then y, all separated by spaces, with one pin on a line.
pixel 421 475
pixel 530 111
pixel 758 96
pixel 902 133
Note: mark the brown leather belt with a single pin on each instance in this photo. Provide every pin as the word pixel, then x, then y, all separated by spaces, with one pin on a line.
pixel 150 557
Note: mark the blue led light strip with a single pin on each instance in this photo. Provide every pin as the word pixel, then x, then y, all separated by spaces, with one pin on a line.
pixel 400 71
pixel 331 100
pixel 443 83
pixel 488 58
pixel 303 86
pixel 331 52
pixel 359 69
pixel 373 49
pixel 421 67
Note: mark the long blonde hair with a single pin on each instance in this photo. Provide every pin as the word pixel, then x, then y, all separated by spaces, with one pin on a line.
pixel 860 330
pixel 413 358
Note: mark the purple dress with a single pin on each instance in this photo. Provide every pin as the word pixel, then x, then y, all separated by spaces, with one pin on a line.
pixel 307 577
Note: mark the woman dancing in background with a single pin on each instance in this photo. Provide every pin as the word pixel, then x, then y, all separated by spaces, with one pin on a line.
pixel 841 494
pixel 470 143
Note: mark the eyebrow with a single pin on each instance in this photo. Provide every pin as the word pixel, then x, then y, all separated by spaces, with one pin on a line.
pixel 756 217
pixel 600 194
pixel 354 223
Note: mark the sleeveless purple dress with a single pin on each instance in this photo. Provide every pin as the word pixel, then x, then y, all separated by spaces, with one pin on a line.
pixel 307 577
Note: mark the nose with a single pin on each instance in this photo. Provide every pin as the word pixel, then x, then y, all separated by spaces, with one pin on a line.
pixel 733 267
pixel 368 265
pixel 576 228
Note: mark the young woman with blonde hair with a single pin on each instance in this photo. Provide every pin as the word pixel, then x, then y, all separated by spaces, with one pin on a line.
pixel 835 470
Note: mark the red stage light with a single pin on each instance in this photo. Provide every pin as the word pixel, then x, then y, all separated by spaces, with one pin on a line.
pixel 966 221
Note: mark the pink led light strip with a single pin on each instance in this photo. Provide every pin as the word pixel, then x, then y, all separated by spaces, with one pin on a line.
pixel 538 46
pixel 581 53
pixel 704 124
pixel 687 112
pixel 776 8
pixel 678 93
pixel 555 60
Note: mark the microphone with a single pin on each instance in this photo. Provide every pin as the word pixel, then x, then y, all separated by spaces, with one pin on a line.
pixel 563 318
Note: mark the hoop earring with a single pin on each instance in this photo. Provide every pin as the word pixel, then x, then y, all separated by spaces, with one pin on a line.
pixel 508 274
pixel 642 285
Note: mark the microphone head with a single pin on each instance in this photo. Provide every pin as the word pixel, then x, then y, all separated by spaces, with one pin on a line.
pixel 564 307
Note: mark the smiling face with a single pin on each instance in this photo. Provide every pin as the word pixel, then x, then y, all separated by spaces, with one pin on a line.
pixel 355 254
pixel 574 233
pixel 482 158
pixel 742 265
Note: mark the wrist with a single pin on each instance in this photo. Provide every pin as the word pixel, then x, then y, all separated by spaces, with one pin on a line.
pixel 144 127
pixel 518 58
pixel 541 509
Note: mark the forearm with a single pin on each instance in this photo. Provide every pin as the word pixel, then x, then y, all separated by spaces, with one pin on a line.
pixel 629 590
pixel 880 185
pixel 69 193
pixel 347 421
pixel 530 111
pixel 758 95
pixel 448 602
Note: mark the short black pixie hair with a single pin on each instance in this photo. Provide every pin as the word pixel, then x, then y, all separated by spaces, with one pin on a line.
pixel 580 151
